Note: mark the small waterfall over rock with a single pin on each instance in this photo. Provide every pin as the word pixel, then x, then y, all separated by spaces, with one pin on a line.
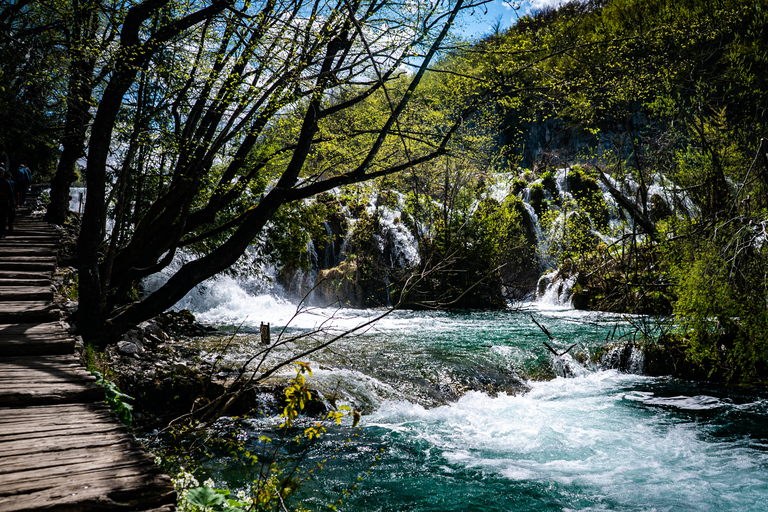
pixel 554 290
pixel 566 366
pixel 396 240
pixel 626 357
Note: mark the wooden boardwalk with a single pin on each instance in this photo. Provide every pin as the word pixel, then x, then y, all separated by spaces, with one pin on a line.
pixel 61 449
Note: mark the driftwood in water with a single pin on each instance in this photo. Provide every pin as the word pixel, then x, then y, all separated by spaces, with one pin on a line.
pixel 558 354
pixel 549 347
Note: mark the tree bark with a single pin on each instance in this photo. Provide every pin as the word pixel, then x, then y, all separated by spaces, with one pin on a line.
pixel 132 55
pixel 73 143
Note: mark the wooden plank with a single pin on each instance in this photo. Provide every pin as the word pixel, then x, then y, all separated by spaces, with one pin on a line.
pixel 42 446
pixel 34 411
pixel 52 394
pixel 111 463
pixel 36 479
pixel 52 418
pixel 88 455
pixel 21 274
pixel 19 374
pixel 33 329
pixel 40 379
pixel 34 250
pixel 34 338
pixel 29 258
pixel 36 376
pixel 35 366
pixel 26 244
pixel 41 362
pixel 28 311
pixel 27 305
pixel 102 492
pixel 26 292
pixel 48 363
pixel 52 346
pixel 34 431
pixel 27 265
pixel 24 282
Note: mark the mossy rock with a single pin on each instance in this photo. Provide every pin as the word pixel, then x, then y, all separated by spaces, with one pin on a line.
pixel 537 198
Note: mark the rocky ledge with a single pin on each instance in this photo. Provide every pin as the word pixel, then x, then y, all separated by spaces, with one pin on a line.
pixel 168 379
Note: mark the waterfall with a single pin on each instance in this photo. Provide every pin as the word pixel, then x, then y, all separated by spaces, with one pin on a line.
pixel 553 291
pixel 329 251
pixel 627 357
pixel 395 236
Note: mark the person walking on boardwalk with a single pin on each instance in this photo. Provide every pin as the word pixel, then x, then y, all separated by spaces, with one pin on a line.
pixel 22 179
pixel 15 202
pixel 7 202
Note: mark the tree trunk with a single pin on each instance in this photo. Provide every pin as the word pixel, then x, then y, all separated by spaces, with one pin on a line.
pixel 77 118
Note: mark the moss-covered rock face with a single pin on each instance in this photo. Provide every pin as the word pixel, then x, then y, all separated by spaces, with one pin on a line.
pixel 671 355
pixel 328 244
pixel 518 185
pixel 339 286
pixel 586 191
pixel 660 210
pixel 619 281
pixel 550 185
pixel 537 198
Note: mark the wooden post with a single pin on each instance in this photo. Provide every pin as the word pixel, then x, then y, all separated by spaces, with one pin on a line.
pixel 265 333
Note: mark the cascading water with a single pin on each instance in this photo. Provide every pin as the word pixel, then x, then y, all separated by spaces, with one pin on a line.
pixel 459 432
pixel 473 412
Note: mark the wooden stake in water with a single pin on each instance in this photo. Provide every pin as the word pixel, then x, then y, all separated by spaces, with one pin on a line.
pixel 265 333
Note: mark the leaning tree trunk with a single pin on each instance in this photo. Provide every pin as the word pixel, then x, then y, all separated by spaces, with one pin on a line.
pixel 77 118
pixel 73 149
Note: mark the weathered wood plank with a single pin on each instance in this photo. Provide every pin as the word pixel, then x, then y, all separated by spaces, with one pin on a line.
pixel 30 258
pixel 26 292
pixel 39 419
pixel 19 274
pixel 27 265
pixel 64 369
pixel 33 330
pixel 24 282
pixel 59 409
pixel 90 455
pixel 20 247
pixel 52 394
pixel 101 492
pixel 123 463
pixel 43 446
pixel 36 433
pixel 61 449
pixel 71 417
pixel 53 345
pixel 40 362
pixel 25 379
pixel 28 311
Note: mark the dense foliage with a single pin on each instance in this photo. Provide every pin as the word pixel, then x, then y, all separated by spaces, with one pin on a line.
pixel 663 96
pixel 201 137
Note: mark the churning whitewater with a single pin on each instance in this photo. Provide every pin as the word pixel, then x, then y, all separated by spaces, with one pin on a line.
pixel 464 412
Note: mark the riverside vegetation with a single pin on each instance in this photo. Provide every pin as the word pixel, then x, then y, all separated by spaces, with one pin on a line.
pixel 616 148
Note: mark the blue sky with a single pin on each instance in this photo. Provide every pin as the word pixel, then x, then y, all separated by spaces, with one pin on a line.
pixel 480 23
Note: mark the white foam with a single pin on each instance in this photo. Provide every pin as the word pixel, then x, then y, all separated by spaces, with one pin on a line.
pixel 583 431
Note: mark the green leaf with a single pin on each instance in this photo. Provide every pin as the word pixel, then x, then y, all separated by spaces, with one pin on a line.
pixel 204 497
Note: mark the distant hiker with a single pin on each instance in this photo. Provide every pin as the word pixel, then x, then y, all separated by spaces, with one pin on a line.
pixel 15 202
pixel 22 177
pixel 7 202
